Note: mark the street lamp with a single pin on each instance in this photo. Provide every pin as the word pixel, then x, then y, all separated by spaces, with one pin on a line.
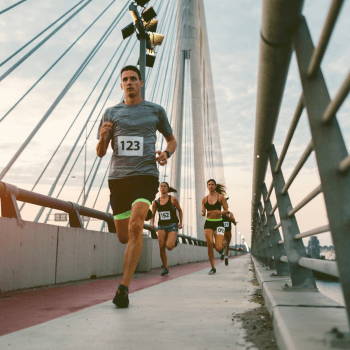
pixel 145 26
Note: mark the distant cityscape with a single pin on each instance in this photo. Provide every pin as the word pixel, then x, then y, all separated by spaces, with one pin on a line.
pixel 316 251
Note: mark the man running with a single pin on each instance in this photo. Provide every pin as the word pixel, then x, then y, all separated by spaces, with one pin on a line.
pixel 227 219
pixel 131 128
pixel 214 226
pixel 168 223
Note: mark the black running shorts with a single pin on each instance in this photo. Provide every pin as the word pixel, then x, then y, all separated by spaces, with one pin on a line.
pixel 125 192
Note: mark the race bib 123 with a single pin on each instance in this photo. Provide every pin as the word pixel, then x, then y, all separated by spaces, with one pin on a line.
pixel 130 146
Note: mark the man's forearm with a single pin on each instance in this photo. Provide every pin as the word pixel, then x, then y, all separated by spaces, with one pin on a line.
pixel 171 146
pixel 101 148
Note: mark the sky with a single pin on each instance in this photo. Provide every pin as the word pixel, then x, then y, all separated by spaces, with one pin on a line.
pixel 233 29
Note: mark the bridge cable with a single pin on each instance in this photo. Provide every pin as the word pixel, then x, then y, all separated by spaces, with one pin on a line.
pixel 53 106
pixel 42 32
pixel 19 62
pixel 70 127
pixel 82 131
pixel 91 128
pixel 64 53
pixel 14 5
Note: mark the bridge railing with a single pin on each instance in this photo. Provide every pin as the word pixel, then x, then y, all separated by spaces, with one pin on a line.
pixel 9 194
pixel 284 29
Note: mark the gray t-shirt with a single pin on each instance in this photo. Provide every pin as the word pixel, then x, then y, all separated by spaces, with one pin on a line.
pixel 134 138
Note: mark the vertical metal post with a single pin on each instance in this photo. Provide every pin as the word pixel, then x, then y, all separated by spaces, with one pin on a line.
pixel 265 233
pixel 143 64
pixel 330 150
pixel 301 276
pixel 282 268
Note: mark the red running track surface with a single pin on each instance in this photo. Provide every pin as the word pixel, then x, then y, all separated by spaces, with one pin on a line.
pixel 27 308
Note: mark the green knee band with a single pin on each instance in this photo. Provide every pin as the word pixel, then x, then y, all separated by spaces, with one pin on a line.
pixel 142 200
pixel 214 219
pixel 122 216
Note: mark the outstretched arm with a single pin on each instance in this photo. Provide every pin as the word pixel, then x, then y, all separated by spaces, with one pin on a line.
pixel 105 138
pixel 154 209
pixel 162 157
pixel 203 207
pixel 177 206
pixel 224 205
pixel 232 218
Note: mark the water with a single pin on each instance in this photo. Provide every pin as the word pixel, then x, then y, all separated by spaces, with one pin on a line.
pixel 331 290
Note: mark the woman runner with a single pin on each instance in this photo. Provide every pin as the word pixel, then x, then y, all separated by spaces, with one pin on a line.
pixel 227 219
pixel 214 226
pixel 168 223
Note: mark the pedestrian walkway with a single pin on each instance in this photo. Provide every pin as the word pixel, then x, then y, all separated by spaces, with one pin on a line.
pixel 187 310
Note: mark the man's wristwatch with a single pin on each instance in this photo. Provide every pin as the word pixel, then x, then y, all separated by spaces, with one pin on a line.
pixel 168 154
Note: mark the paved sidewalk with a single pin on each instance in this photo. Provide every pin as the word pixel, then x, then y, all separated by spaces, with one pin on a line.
pixel 189 312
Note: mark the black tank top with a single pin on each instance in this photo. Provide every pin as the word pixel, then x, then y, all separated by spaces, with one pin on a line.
pixel 227 222
pixel 167 213
pixel 216 206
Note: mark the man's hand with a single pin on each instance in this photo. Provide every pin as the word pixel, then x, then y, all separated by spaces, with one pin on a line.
pixel 162 158
pixel 180 225
pixel 152 227
pixel 106 130
pixel 203 213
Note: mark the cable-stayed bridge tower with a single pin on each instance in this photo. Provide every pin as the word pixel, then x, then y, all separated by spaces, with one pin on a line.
pixel 193 64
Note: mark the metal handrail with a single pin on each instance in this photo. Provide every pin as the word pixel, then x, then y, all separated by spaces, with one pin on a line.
pixel 332 157
pixel 313 232
pixel 333 107
pixel 306 200
pixel 325 36
pixel 298 167
pixel 69 207
pixel 293 126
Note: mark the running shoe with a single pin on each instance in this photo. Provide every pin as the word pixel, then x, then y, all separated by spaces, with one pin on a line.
pixel 222 257
pixel 149 215
pixel 165 272
pixel 226 261
pixel 177 242
pixel 121 298
pixel 212 271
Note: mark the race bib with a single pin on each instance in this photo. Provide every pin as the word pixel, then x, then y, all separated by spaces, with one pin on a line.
pixel 164 215
pixel 226 224
pixel 130 146
pixel 220 231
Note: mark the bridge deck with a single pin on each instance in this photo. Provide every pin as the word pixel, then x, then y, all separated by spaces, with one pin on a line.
pixel 189 309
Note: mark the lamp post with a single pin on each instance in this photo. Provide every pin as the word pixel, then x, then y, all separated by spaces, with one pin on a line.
pixel 145 26
pixel 239 235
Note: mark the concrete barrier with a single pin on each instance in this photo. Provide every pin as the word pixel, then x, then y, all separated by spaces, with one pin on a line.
pixel 35 254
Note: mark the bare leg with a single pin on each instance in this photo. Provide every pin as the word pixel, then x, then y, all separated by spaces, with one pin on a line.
pixel 171 240
pixel 228 236
pixel 219 239
pixel 134 247
pixel 161 241
pixel 208 233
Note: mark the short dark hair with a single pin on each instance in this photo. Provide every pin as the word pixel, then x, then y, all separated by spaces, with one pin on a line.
pixel 133 68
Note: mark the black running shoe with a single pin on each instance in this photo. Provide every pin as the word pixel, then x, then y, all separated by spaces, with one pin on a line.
pixel 121 298
pixel 212 271
pixel 177 242
pixel 149 215
pixel 222 257
pixel 226 261
pixel 221 251
pixel 165 272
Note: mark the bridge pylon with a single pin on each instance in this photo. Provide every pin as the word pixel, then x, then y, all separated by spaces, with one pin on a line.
pixel 192 51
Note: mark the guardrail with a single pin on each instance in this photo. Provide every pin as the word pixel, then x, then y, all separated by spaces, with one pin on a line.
pixel 9 194
pixel 285 29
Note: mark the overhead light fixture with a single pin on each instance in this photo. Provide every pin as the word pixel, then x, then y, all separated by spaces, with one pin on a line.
pixel 128 30
pixel 150 58
pixel 151 26
pixel 156 39
pixel 148 14
pixel 142 2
